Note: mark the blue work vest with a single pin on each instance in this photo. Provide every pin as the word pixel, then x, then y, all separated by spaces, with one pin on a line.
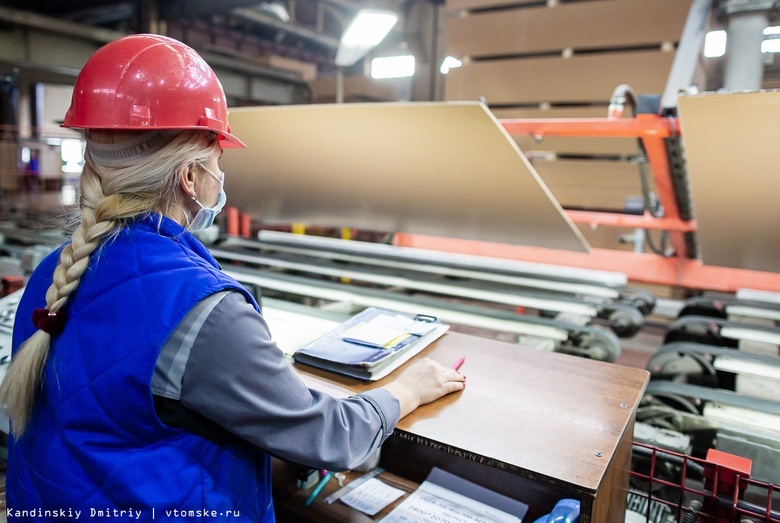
pixel 94 442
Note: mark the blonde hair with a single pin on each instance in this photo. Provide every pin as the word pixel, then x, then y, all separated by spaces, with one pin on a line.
pixel 110 196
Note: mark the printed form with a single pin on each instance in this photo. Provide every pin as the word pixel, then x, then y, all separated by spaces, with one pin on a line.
pixel 455 503
pixel 372 496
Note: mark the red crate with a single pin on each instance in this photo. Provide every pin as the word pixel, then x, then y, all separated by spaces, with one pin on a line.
pixel 681 488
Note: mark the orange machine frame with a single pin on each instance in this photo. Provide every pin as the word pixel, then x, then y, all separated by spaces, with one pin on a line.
pixel 639 267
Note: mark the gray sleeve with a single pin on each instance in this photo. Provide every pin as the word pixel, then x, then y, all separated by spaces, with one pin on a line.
pixel 236 376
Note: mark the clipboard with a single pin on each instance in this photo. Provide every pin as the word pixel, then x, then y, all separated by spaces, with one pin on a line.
pixel 372 343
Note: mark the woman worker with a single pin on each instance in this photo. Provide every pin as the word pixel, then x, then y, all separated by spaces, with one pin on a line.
pixel 143 377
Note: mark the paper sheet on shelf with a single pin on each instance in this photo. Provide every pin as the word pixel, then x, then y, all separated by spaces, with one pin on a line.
pixel 455 503
pixel 372 496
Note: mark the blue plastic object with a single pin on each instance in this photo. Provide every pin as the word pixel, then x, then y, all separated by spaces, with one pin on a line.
pixel 565 511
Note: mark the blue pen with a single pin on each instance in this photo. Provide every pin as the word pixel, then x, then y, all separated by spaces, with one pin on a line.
pixel 318 488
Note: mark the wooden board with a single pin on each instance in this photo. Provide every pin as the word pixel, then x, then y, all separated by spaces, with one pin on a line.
pixel 580 25
pixel 584 78
pixel 443 169
pixel 732 156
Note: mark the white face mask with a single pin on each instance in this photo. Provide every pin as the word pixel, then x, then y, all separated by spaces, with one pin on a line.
pixel 205 217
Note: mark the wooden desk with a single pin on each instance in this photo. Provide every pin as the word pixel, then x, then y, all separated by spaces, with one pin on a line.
pixel 536 426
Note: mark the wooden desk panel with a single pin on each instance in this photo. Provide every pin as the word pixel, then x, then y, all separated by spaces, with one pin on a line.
pixel 535 415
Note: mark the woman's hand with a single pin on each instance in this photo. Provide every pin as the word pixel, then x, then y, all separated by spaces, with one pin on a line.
pixel 424 382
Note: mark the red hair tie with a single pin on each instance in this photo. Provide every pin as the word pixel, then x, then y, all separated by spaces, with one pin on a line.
pixel 49 322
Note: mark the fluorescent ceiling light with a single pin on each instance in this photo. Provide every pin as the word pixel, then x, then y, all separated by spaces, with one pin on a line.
pixel 771 46
pixel 276 9
pixel 715 44
pixel 392 67
pixel 72 154
pixel 72 150
pixel 368 28
pixel 448 63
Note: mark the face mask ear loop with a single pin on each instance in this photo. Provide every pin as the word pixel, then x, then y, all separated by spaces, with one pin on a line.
pixel 220 180
pixel 205 216
pixel 221 184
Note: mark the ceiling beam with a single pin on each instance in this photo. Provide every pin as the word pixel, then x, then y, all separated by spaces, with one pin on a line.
pixel 28 19
pixel 349 4
pixel 36 72
pixel 188 8
pixel 303 32
pixel 32 73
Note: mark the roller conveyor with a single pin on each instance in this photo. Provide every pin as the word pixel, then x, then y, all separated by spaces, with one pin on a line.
pixel 409 281
pixel 585 283
pixel 719 332
pixel 587 341
pixel 758 296
pixel 740 306
pixel 695 389
pixel 708 418
pixel 592 278
pixel 384 267
pixel 706 364
pixel 624 319
pixel 695 395
pixel 388 261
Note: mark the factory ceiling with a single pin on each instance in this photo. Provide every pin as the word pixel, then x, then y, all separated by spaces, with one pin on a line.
pixel 305 30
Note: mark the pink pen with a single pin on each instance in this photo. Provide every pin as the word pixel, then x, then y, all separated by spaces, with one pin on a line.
pixel 459 362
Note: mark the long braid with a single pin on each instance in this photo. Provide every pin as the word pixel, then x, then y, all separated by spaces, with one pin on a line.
pixel 74 259
pixel 108 198
pixel 21 383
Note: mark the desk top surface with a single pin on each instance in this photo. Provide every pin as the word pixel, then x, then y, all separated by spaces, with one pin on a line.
pixel 542 413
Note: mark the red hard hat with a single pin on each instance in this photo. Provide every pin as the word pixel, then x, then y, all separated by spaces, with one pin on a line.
pixel 147 82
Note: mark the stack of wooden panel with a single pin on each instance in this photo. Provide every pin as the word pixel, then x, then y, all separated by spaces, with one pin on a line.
pixel 529 59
